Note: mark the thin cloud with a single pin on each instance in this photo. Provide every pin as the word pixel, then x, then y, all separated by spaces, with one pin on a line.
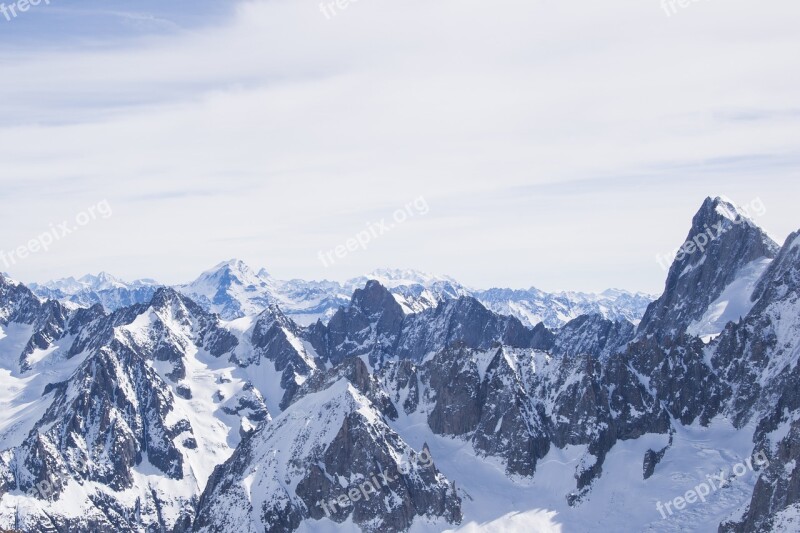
pixel 285 122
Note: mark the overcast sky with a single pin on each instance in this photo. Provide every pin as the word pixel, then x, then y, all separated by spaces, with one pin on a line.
pixel 556 144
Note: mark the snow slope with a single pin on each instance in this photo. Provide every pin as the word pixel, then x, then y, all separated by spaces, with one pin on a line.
pixel 733 304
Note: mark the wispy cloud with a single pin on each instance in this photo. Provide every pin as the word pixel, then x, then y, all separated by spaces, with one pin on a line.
pixel 272 121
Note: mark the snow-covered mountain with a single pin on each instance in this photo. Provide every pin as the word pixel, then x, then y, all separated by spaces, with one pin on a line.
pixel 231 289
pixel 234 290
pixel 104 289
pixel 415 291
pixel 730 252
pixel 532 306
pixel 163 416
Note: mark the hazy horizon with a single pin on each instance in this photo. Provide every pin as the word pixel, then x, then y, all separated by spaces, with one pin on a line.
pixel 554 147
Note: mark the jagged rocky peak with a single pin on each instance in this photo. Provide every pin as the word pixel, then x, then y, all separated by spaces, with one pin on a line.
pixel 166 298
pixel 369 326
pixel 17 302
pixel 462 320
pixel 355 371
pixel 759 356
pixel 175 310
pixel 783 275
pixel 593 335
pixel 374 299
pixel 41 324
pixel 330 457
pixel 277 339
pixel 270 317
pixel 723 244
pixel 456 311
pixel 165 329
pixel 124 416
pixel 231 289
pixel 482 395
pixel 112 415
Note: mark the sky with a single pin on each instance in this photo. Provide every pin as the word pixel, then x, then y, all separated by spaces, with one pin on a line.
pixel 514 143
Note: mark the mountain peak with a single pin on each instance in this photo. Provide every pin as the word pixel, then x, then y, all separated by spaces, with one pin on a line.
pixel 231 288
pixel 373 298
pixel 235 269
pixel 234 264
pixel 722 241
pixel 101 281
pixel 725 208
pixel 8 280
pixel 165 296
pixel 392 277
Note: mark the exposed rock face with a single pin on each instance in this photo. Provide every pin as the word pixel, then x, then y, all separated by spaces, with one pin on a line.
pixel 759 358
pixel 542 338
pixel 17 303
pixel 369 326
pixel 116 414
pixel 720 243
pixel 464 320
pixel 119 411
pixel 515 404
pixel 486 390
pixel 49 321
pixel 652 458
pixel 417 297
pixel 355 371
pixel 277 339
pixel 680 378
pixel 374 325
pixel 329 455
pixel 593 335
pixel 132 409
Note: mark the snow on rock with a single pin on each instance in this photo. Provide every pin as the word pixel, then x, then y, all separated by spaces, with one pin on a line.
pixel 733 304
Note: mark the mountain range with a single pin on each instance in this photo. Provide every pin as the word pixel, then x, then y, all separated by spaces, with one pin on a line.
pixel 234 290
pixel 241 403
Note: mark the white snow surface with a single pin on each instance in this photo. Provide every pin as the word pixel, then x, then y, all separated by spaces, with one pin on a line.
pixel 22 403
pixel 233 290
pixel 733 304
pixel 620 501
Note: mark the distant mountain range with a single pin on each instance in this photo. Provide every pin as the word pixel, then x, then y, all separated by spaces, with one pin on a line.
pixel 102 289
pixel 234 290
pixel 414 407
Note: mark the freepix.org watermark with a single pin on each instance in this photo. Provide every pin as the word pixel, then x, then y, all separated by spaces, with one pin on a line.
pixel 670 7
pixel 331 9
pixel 55 232
pixel 45 489
pixel 12 11
pixel 372 486
pixel 712 484
pixel 418 206
pixel 755 208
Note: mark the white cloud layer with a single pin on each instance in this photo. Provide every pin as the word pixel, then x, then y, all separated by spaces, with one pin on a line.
pixel 558 144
